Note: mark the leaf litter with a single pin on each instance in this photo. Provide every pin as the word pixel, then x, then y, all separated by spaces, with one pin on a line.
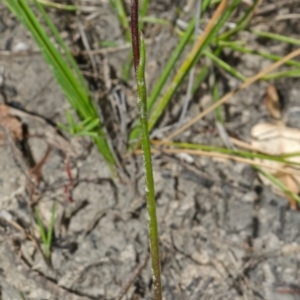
pixel 276 139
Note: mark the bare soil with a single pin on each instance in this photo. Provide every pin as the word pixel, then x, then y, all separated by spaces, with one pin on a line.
pixel 223 235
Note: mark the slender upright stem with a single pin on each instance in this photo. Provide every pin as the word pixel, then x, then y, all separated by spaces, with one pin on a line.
pixel 135 37
pixel 139 57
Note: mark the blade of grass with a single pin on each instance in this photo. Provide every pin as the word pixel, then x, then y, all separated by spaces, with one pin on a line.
pixel 242 22
pixel 215 95
pixel 170 66
pixel 188 94
pixel 277 37
pixel 46 248
pixel 200 78
pixel 63 46
pixel 154 20
pixel 279 184
pixel 144 10
pixel 51 229
pixel 73 88
pixel 223 18
pixel 119 8
pixel 208 34
pixel 205 5
pixel 58 5
pixel 256 165
pixel 295 73
pixel 40 226
pixel 226 97
pixel 46 237
pixel 232 71
pixel 237 47
pixel 219 155
pixel 165 74
pixel 245 154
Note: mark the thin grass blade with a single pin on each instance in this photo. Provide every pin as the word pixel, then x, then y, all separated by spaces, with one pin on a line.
pixel 73 86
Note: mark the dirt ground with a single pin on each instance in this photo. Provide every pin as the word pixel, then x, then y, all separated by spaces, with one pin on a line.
pixel 223 234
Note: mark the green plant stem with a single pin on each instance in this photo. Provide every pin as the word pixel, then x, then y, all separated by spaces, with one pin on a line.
pixel 207 36
pixel 166 73
pixel 183 70
pixel 150 193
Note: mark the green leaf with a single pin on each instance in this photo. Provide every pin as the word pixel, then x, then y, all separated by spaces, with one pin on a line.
pixel 64 69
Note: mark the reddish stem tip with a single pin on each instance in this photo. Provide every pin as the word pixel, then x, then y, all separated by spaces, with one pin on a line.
pixel 135 33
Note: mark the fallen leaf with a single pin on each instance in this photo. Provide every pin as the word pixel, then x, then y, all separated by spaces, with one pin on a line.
pixel 277 139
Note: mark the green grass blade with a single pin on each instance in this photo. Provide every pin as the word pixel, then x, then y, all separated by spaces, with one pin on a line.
pixel 295 73
pixel 154 20
pixel 278 183
pixel 277 37
pixel 223 19
pixel 200 78
pixel 143 10
pixel 224 65
pixel 40 226
pixel 170 65
pixel 245 154
pixel 58 5
pixel 119 8
pixel 216 97
pixel 73 88
pixel 237 47
pixel 51 228
pixel 241 23
pixel 192 57
pixel 63 46
pixel 166 73
pixel 205 4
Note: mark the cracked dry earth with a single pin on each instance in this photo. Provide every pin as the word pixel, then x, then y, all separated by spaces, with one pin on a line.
pixel 223 235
